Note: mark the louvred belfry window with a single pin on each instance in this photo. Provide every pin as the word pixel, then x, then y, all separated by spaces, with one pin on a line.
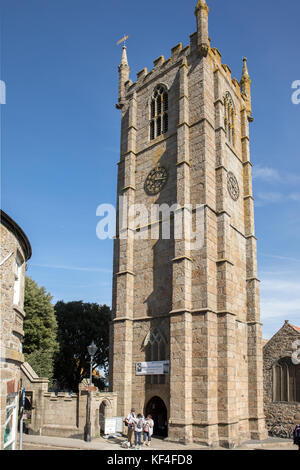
pixel 229 117
pixel 156 351
pixel 159 112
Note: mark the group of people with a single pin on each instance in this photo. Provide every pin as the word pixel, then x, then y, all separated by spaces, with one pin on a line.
pixel 138 425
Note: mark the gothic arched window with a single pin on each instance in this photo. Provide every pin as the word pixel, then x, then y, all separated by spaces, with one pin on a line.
pixel 159 112
pixel 286 381
pixel 155 351
pixel 229 117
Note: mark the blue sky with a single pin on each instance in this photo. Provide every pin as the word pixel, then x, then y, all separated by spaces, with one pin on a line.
pixel 60 129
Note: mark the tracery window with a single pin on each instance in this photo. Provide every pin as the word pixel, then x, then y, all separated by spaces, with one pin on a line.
pixel 229 117
pixel 159 122
pixel 155 351
pixel 286 381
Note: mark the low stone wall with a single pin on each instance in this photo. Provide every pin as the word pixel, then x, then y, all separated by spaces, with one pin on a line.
pixel 60 415
pixel 64 415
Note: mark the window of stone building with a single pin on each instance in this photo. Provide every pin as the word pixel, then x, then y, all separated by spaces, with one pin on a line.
pixel 159 112
pixel 286 381
pixel 156 351
pixel 18 275
pixel 10 421
pixel 229 117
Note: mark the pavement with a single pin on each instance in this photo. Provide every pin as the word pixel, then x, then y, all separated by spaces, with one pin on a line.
pixel 31 442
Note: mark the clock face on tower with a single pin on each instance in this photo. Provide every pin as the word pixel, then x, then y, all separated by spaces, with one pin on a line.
pixel 156 180
pixel 233 186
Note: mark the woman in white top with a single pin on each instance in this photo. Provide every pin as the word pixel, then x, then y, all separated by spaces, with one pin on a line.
pixel 148 430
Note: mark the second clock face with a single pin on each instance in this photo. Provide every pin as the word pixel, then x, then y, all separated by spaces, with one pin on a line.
pixel 156 180
pixel 233 186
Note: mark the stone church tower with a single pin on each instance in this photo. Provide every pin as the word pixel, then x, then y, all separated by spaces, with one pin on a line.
pixel 185 141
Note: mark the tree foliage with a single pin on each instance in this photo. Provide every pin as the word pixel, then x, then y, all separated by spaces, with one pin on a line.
pixel 78 325
pixel 42 362
pixel 40 329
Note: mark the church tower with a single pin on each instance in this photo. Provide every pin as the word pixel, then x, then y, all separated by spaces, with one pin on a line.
pixel 185 144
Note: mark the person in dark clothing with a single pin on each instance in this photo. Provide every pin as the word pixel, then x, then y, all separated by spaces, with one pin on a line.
pixel 296 433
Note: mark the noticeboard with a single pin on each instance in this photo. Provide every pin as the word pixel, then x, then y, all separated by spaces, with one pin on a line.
pixel 113 425
pixel 119 424
pixel 110 426
pixel 153 368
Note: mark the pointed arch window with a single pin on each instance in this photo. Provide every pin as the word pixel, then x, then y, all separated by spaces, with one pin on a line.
pixel 286 381
pixel 156 351
pixel 159 121
pixel 229 117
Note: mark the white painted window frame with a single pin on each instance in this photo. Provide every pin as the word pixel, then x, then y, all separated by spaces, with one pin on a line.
pixel 12 441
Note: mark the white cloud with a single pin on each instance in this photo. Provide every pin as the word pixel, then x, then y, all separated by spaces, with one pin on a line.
pixel 265 197
pixel 272 175
pixel 280 300
pixel 281 286
pixel 273 307
pixel 280 295
pixel 283 258
pixel 71 268
pixel 295 196
pixel 271 197
pixel 265 173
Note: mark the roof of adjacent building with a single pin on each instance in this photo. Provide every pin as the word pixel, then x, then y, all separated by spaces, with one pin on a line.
pixel 11 225
pixel 296 327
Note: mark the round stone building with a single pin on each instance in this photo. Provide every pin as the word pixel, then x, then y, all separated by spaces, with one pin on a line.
pixel 15 251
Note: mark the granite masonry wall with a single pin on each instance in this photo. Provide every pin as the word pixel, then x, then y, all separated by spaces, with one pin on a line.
pixel 205 299
pixel 278 347
pixel 14 245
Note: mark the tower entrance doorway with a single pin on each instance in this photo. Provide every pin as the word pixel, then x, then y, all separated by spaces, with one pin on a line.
pixel 158 410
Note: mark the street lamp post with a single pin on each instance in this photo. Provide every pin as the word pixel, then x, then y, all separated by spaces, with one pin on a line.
pixel 92 349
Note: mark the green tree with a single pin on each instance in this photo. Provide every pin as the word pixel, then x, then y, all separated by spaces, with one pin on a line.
pixel 40 328
pixel 78 325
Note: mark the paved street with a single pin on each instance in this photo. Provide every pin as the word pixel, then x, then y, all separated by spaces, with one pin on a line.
pixel 30 446
pixel 57 443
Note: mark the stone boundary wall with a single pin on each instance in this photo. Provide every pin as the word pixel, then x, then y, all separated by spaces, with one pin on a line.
pixel 64 415
pixel 60 415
